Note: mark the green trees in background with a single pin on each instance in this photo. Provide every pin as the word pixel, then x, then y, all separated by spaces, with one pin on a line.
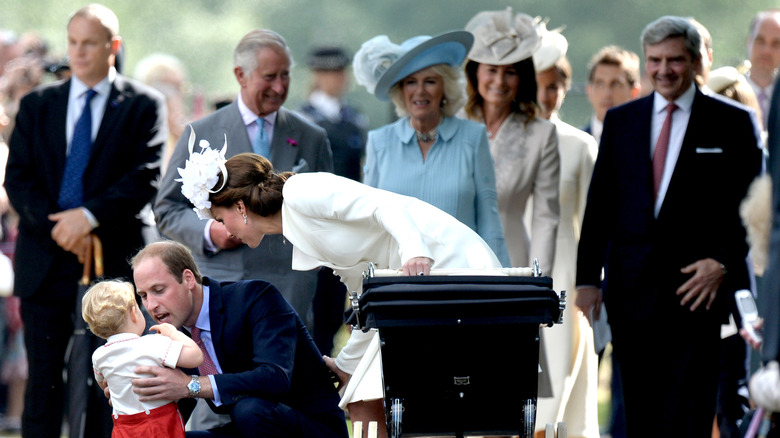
pixel 203 33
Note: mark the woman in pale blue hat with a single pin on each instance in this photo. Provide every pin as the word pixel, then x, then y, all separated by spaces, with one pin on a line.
pixel 428 153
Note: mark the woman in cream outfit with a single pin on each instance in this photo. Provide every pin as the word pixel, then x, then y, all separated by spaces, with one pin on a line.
pixel 570 352
pixel 502 95
pixel 342 224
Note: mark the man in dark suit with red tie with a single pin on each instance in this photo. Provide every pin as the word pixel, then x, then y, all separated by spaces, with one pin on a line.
pixel 662 221
pixel 261 365
pixel 83 158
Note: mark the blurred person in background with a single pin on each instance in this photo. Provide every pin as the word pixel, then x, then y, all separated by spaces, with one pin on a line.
pixel 613 80
pixel 21 75
pixel 346 128
pixel 763 47
pixel 9 48
pixel 168 75
pixel 570 346
pixel 703 72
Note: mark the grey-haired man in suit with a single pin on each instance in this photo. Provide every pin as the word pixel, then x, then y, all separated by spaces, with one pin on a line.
pixel 254 122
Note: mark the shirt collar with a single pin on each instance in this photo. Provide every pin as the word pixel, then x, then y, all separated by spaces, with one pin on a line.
pixel 249 117
pixel 684 102
pixel 326 104
pixel 446 129
pixel 596 126
pixel 103 88
pixel 119 337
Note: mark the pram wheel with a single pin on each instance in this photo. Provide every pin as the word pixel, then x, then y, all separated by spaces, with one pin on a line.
pixel 396 412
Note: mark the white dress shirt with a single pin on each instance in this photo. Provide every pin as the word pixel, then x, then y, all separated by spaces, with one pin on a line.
pixel 680 119
pixel 76 98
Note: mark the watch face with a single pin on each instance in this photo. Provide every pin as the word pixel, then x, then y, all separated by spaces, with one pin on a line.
pixel 194 386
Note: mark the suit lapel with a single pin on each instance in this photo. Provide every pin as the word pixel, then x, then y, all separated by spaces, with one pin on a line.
pixel 284 150
pixel 111 116
pixel 216 318
pixel 230 122
pixel 644 169
pixel 59 144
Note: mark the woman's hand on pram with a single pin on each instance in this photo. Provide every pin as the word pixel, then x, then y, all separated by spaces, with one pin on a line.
pixel 417 266
pixel 343 377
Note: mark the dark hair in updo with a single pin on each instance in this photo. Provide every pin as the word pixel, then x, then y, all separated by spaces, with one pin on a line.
pixel 252 179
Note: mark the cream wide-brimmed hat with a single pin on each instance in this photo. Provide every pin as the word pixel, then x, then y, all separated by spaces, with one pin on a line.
pixel 552 48
pixel 501 38
pixel 380 64
pixel 722 78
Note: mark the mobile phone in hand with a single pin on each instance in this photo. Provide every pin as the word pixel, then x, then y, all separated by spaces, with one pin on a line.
pixel 748 311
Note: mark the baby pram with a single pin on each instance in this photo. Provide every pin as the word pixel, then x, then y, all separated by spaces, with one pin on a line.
pixel 460 349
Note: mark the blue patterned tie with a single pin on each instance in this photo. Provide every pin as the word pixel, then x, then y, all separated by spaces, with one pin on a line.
pixel 260 145
pixel 72 188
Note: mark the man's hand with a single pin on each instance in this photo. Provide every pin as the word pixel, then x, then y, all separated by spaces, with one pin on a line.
pixel 71 230
pixel 589 300
pixel 703 286
pixel 417 266
pixel 343 377
pixel 221 238
pixel 165 384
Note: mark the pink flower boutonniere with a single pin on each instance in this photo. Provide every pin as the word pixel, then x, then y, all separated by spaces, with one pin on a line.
pixel 292 142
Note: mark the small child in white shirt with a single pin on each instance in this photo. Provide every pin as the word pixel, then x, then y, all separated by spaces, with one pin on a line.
pixel 110 309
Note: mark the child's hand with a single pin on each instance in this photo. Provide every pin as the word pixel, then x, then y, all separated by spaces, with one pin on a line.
pixel 164 329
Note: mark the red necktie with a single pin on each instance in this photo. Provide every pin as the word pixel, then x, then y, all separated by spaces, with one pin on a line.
pixel 207 367
pixel 661 148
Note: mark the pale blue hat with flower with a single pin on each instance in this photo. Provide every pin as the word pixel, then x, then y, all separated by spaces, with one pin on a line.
pixel 380 64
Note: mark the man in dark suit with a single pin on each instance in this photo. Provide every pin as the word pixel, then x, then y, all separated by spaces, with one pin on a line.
pixel 267 373
pixel 662 221
pixel 262 67
pixel 83 157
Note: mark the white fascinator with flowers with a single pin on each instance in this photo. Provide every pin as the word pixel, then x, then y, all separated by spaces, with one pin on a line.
pixel 201 173
pixel 373 59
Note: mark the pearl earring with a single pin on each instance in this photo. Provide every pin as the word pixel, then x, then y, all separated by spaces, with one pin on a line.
pixel 244 217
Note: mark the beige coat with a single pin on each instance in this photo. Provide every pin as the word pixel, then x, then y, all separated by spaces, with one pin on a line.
pixel 527 167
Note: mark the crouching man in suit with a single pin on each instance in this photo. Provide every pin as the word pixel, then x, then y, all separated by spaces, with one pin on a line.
pixel 261 366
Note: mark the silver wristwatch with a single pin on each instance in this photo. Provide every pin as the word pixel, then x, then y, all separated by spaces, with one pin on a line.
pixel 193 387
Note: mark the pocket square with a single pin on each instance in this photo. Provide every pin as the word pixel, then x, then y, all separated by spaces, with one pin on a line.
pixel 709 150
pixel 302 166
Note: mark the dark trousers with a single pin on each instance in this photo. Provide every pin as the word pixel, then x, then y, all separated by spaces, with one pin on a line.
pixel 327 309
pixel 669 378
pixel 255 417
pixel 732 379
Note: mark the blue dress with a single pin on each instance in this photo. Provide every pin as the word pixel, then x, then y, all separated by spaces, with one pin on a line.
pixel 457 176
